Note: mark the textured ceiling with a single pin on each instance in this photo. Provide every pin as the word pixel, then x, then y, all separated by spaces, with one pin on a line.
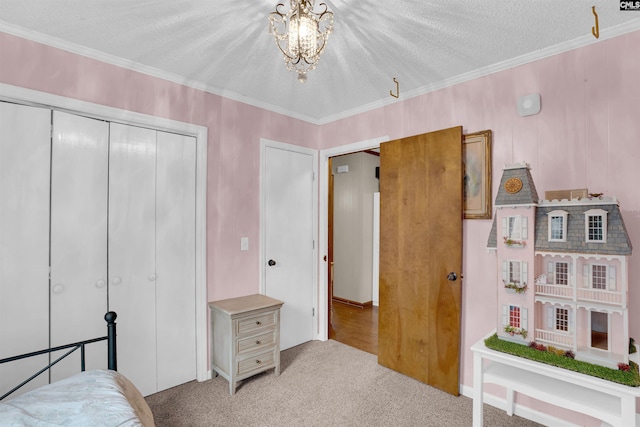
pixel 224 47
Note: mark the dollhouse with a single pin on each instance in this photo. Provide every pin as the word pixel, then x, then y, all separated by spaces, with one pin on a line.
pixel 562 270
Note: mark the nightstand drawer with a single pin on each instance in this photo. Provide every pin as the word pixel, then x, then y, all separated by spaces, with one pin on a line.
pixel 255 323
pixel 257 363
pixel 247 345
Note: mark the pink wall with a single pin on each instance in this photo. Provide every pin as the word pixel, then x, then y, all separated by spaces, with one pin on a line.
pixel 233 199
pixel 585 136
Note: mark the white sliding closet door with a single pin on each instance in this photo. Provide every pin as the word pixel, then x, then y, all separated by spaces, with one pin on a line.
pixel 152 255
pixel 24 241
pixel 79 172
pixel 175 259
pixel 96 216
pixel 132 257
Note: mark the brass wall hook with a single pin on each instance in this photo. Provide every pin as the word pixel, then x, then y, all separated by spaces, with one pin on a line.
pixel 595 30
pixel 397 94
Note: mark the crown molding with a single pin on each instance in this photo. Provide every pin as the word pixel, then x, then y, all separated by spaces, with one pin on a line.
pixel 144 69
pixel 585 40
pixel 582 41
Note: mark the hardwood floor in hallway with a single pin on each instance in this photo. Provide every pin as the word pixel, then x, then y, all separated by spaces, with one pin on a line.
pixel 355 326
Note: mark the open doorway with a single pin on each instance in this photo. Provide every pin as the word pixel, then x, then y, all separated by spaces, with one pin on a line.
pixel 352 267
pixel 599 330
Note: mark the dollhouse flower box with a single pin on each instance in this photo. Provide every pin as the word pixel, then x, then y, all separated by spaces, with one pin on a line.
pixel 515 288
pixel 516 331
pixel 514 243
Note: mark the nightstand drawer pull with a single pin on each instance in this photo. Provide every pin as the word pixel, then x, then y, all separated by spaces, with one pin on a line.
pixel 258 322
pixel 257 342
pixel 258 362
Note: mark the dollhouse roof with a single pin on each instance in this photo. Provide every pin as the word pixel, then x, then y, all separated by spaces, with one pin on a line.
pixel 617 240
pixel 527 195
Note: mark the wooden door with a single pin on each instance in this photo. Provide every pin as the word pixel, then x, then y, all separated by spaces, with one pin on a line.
pixel 289 206
pixel 420 244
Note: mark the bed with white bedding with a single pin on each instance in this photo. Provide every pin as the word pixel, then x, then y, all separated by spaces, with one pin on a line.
pixel 101 398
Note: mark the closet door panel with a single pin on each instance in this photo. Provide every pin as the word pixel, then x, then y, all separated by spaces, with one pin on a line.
pixel 24 241
pixel 175 259
pixel 132 164
pixel 79 172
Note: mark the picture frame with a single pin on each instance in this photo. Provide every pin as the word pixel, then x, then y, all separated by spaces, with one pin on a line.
pixel 476 155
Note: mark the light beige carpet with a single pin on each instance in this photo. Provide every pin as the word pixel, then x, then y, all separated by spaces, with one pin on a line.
pixel 321 384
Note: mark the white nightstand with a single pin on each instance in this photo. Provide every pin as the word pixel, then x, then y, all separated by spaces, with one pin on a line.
pixel 245 337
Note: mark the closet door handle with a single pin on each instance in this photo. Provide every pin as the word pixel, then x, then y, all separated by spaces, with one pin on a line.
pixel 100 283
pixel 58 288
pixel 152 277
pixel 116 280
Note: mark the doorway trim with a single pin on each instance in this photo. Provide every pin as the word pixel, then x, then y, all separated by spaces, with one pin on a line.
pixel 323 239
pixel 88 109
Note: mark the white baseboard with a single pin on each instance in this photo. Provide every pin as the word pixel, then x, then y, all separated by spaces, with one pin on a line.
pixel 519 410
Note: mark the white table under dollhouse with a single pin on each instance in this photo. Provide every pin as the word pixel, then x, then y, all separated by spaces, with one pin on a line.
pixel 613 403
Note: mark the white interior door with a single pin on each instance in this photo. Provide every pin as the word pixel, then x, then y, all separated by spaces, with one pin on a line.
pixel 132 257
pixel 79 171
pixel 287 229
pixel 175 259
pixel 25 150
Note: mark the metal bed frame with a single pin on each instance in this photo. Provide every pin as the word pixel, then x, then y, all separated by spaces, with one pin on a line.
pixel 112 363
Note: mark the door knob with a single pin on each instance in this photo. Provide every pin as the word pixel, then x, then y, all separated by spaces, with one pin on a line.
pixel 452 277
pixel 58 288
pixel 116 280
pixel 271 262
pixel 100 283
pixel 152 277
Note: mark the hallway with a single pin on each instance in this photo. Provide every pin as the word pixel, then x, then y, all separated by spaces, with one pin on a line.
pixel 355 326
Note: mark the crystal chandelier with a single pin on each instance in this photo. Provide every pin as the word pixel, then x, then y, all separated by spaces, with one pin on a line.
pixel 301 34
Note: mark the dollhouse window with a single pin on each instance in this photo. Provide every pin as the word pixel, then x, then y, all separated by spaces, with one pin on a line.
pixel 562 273
pixel 557 226
pixel 595 221
pixel 514 227
pixel 599 276
pixel 562 319
pixel 514 316
pixel 514 272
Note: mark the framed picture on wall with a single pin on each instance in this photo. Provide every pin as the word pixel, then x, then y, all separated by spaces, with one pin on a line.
pixel 476 154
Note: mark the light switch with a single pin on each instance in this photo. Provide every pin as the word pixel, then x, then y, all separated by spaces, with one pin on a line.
pixel 244 243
